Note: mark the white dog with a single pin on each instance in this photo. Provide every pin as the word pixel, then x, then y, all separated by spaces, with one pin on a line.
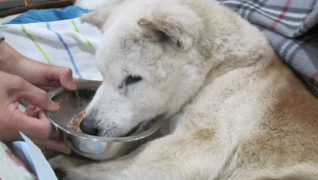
pixel 238 112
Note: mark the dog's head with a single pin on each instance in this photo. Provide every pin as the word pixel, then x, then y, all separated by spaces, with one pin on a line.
pixel 149 62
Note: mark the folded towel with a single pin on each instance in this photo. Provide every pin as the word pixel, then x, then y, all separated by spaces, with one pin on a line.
pixel 67 43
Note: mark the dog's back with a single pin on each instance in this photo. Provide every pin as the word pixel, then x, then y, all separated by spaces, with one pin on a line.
pixel 264 119
pixel 283 144
pixel 266 116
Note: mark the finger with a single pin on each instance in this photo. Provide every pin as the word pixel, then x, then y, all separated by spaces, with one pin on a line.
pixel 66 78
pixel 52 144
pixel 30 110
pixel 34 95
pixel 33 111
pixel 49 88
pixel 78 79
pixel 53 85
pixel 50 84
pixel 33 127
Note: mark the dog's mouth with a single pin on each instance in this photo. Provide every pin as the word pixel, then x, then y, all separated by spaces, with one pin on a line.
pixel 139 128
pixel 143 126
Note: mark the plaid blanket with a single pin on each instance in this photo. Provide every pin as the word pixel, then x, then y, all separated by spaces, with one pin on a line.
pixel 292 29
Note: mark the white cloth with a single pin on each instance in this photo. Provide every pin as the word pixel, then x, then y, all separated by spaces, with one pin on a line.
pixel 67 43
pixel 11 167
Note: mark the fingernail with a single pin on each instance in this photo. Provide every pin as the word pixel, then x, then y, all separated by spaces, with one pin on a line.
pixel 53 106
pixel 71 84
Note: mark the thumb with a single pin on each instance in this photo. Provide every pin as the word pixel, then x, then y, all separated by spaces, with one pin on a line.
pixel 65 76
pixel 39 131
pixel 33 127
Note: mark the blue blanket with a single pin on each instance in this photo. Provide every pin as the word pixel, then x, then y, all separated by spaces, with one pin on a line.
pixel 48 15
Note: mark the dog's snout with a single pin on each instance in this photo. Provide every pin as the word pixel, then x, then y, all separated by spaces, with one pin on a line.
pixel 88 127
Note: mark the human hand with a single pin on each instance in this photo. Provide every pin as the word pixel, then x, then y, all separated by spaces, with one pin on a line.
pixel 39 74
pixel 12 89
pixel 42 75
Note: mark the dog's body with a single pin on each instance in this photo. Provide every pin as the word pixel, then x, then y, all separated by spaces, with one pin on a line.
pixel 237 111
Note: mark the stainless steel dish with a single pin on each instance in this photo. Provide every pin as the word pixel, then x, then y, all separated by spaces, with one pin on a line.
pixel 92 147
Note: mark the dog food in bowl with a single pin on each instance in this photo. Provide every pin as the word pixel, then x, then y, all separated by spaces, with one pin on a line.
pixel 74 124
pixel 67 120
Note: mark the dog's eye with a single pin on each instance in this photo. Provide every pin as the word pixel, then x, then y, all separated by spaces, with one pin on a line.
pixel 132 79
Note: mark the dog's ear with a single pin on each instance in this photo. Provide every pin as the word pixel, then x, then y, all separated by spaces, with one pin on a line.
pixel 180 24
pixel 171 30
pixel 99 16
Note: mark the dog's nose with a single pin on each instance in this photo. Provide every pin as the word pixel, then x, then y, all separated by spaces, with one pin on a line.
pixel 88 127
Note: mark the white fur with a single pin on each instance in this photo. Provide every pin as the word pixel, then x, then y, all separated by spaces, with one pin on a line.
pixel 89 4
pixel 127 52
pixel 213 76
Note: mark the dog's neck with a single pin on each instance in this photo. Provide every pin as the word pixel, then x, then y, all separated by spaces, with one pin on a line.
pixel 226 66
pixel 215 71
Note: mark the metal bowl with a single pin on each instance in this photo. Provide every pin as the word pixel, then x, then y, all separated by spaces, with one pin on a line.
pixel 92 147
